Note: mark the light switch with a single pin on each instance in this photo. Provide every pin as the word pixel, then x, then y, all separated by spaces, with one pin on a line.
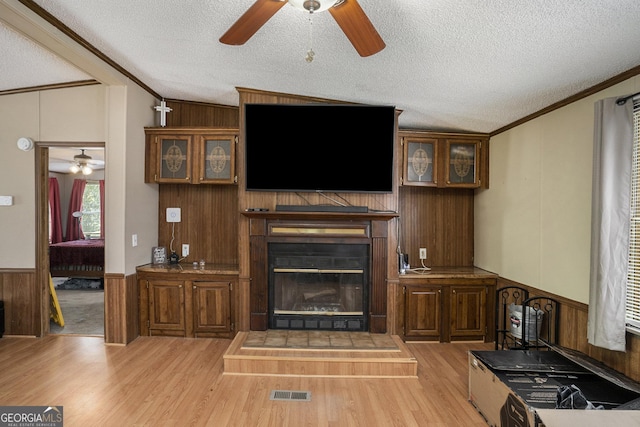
pixel 6 200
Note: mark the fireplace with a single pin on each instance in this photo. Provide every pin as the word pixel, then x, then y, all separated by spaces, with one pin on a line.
pixel 318 270
pixel 318 286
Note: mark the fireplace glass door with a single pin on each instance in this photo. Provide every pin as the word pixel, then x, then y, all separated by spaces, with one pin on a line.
pixel 318 286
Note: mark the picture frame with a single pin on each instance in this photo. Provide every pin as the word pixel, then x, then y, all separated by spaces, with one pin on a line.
pixel 159 255
pixel 420 165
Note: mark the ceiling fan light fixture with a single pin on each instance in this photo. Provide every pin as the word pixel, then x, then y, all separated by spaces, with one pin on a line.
pixel 313 6
pixel 81 164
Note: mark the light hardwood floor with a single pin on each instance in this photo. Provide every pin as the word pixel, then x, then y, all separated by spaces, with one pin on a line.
pixel 156 381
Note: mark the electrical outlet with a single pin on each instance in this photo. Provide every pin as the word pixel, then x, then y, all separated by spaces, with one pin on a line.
pixel 185 250
pixel 423 253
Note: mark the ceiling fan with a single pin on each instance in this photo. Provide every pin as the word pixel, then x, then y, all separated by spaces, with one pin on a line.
pixel 348 14
pixel 80 163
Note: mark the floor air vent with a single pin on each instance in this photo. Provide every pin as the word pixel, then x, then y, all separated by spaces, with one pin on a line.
pixel 290 395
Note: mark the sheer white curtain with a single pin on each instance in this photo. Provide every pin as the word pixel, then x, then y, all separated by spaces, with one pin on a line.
pixel 610 217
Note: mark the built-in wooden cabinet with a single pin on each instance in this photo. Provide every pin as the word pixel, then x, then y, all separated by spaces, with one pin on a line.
pixel 166 307
pixel 212 306
pixel 186 302
pixel 444 159
pixel 448 306
pixel 468 312
pixel 190 155
pixel 423 312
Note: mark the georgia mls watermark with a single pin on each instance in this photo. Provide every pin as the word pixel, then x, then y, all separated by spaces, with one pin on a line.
pixel 31 416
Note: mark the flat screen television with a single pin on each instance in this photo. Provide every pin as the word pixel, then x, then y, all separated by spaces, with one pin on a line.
pixel 319 147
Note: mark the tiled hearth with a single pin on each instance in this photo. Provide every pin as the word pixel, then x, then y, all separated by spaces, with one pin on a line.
pixel 342 354
pixel 319 340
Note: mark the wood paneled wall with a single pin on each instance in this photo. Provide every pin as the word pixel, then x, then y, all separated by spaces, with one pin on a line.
pixel 19 291
pixel 573 334
pixel 186 113
pixel 209 222
pixel 209 212
pixel 121 323
pixel 440 220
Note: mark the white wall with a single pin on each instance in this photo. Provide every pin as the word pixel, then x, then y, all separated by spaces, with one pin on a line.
pixel 75 114
pixel 131 205
pixel 533 225
pixel 115 115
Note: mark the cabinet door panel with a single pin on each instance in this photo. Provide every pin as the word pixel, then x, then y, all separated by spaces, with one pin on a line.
pixel 212 306
pixel 463 158
pixel 468 312
pixel 422 311
pixel 420 162
pixel 175 158
pixel 166 305
pixel 216 159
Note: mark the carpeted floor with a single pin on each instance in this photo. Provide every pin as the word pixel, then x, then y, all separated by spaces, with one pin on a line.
pixel 77 283
pixel 82 310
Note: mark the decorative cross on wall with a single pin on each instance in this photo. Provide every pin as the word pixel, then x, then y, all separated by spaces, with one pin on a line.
pixel 163 109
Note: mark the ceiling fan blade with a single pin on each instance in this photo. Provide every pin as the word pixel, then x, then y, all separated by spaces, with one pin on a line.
pixel 251 21
pixel 54 159
pixel 357 27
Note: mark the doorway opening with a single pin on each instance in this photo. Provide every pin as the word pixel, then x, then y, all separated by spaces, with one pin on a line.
pixel 70 237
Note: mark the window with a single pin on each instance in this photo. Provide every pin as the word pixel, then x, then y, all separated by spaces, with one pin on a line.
pixel 632 311
pixel 91 210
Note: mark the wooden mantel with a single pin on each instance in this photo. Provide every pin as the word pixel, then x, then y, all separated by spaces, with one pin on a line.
pixel 266 227
pixel 313 216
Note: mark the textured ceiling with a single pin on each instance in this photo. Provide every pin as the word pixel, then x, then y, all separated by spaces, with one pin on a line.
pixel 470 65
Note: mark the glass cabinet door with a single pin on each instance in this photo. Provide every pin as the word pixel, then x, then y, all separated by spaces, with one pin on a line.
pixel 462 163
pixel 216 159
pixel 420 165
pixel 174 159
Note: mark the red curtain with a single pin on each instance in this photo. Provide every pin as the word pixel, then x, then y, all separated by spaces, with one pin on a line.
pixel 102 208
pixel 74 229
pixel 55 227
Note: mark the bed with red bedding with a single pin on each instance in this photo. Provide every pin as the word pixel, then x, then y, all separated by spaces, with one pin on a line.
pixel 77 258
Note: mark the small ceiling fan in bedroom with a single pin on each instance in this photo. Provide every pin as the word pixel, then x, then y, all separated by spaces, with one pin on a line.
pixel 347 13
pixel 58 162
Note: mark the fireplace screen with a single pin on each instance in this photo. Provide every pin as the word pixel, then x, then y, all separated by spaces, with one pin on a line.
pixel 318 286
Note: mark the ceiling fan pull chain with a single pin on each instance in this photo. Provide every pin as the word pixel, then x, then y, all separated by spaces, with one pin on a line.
pixel 310 52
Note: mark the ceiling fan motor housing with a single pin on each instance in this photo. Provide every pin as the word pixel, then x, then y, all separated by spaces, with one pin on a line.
pixel 311 5
pixel 314 6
